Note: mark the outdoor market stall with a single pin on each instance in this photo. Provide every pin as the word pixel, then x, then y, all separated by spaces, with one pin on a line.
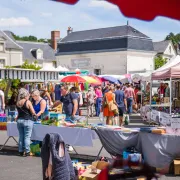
pixel 158 150
pixel 74 136
pixel 32 79
pixel 168 105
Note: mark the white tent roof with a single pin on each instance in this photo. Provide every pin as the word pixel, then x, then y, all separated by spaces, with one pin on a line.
pixel 173 61
pixel 59 68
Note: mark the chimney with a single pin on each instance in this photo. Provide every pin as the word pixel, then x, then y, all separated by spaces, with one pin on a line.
pixel 70 30
pixel 55 36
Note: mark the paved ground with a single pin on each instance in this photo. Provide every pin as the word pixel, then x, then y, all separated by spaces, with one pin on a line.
pixel 13 167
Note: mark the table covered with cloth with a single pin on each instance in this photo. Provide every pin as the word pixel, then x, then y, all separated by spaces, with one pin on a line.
pixel 158 150
pixel 73 136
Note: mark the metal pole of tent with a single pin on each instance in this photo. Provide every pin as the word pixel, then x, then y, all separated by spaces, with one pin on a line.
pixel 170 109
pixel 150 98
pixel 141 92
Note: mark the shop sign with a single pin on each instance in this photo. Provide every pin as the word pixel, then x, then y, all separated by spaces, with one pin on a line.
pixel 81 63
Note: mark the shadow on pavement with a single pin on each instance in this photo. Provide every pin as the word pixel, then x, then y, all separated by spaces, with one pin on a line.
pixel 8 152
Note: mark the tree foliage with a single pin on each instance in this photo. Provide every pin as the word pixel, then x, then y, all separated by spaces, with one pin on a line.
pixel 175 38
pixel 159 61
pixel 31 38
pixel 34 65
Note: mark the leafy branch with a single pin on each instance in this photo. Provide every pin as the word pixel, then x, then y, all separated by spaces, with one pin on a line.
pixel 27 65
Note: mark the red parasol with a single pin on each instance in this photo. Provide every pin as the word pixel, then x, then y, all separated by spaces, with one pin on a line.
pixel 144 9
pixel 74 79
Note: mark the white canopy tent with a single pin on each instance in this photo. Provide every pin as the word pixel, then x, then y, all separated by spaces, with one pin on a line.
pixel 173 61
pixel 58 69
pixel 147 76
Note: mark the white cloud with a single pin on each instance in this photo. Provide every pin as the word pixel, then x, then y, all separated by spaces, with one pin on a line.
pixel 14 22
pixel 46 14
pixel 86 17
pixel 104 4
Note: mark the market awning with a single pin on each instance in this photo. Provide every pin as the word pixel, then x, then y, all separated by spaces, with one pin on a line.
pixel 144 9
pixel 171 72
pixel 85 72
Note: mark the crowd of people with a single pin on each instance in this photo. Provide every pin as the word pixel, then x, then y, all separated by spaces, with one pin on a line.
pixel 114 100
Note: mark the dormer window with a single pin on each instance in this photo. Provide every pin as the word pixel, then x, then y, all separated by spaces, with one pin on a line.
pixel 37 53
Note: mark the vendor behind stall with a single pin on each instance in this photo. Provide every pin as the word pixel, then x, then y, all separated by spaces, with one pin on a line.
pixel 167 90
pixel 39 104
pixel 70 103
pixel 46 96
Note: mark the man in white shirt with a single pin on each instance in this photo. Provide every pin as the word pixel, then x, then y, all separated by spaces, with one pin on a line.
pixel 2 101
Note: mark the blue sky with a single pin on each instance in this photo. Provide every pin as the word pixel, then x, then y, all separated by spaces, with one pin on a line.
pixel 40 17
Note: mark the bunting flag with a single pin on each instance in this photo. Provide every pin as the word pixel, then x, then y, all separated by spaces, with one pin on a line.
pixel 144 9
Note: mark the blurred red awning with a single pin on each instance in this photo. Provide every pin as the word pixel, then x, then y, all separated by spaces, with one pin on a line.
pixel 144 9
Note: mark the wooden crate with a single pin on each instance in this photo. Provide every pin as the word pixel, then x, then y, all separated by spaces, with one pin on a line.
pixel 177 167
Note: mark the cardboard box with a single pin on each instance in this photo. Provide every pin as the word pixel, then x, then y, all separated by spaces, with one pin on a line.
pixel 166 99
pixel 99 165
pixel 90 176
pixel 177 167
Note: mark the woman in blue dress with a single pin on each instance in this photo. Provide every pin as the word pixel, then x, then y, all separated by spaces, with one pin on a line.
pixel 39 104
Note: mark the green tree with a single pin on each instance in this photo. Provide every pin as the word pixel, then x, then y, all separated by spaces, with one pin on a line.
pixel 159 61
pixel 27 65
pixel 30 38
pixel 174 38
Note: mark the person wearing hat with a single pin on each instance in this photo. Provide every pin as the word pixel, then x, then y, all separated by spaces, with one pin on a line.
pixel 90 100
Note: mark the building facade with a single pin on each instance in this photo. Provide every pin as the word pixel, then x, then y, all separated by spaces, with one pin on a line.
pixel 14 53
pixel 114 50
pixel 10 51
pixel 165 48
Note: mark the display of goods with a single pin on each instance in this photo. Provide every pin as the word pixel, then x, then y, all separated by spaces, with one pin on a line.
pixel 80 167
pixel 57 116
pixel 53 119
pixel 3 126
pixel 3 122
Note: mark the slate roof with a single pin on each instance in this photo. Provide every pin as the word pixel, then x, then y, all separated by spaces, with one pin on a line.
pixel 161 46
pixel 104 40
pixel 103 33
pixel 29 47
pixel 106 45
pixel 9 42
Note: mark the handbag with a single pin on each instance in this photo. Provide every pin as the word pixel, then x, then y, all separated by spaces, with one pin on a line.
pixel 105 103
pixel 135 106
pixel 113 108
